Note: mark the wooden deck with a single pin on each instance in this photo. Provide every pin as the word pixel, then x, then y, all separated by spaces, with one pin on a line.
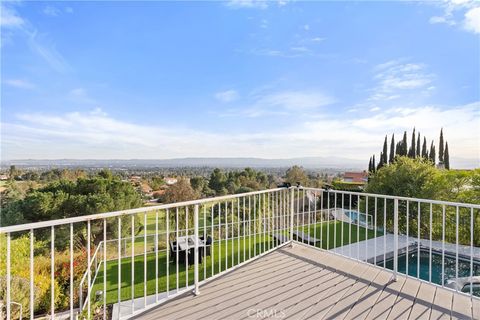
pixel 305 283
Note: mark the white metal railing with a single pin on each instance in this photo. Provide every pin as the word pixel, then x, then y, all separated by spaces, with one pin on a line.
pixel 243 227
pixel 430 240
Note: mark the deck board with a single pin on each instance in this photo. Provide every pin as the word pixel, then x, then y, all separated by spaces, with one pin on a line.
pixel 405 299
pixel 307 283
pixel 442 305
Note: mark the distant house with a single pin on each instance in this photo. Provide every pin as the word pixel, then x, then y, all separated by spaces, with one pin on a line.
pixel 3 177
pixel 356 177
pixel 170 181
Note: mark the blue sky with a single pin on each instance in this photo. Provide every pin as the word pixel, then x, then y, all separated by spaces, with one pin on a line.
pixel 237 79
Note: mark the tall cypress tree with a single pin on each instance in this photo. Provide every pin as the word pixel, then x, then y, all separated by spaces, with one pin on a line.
pixel 440 147
pixel 380 162
pixel 384 153
pixel 424 148
pixel 411 151
pixel 392 149
pixel 370 165
pixel 432 153
pixel 446 157
pixel 418 146
pixel 404 144
pixel 373 164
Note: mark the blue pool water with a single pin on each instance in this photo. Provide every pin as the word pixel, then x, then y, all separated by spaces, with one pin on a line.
pixel 463 267
pixel 353 215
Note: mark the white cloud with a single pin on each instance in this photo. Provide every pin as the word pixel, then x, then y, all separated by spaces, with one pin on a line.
pixel 306 27
pixel 9 18
pixel 69 10
pixel 472 20
pixel 238 4
pixel 51 11
pixel 441 19
pixel 295 100
pixel 395 78
pixel 226 96
pixel 19 83
pixel 465 13
pixel 97 135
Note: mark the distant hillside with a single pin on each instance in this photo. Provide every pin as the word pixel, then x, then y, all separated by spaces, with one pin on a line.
pixel 307 162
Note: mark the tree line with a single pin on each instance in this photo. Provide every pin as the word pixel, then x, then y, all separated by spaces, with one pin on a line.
pixel 416 150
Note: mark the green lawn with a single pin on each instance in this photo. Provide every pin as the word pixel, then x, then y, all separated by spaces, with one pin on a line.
pixel 330 233
pixel 334 239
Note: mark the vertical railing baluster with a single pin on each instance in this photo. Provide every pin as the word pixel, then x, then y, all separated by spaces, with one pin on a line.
pixel 167 258
pixel 321 220
pixel 430 251
pixel 375 231
pixel 205 241
pixel 188 248
pixel 350 222
pixel 471 252
pixel 52 275
pixel 366 228
pixel 341 221
pixel 32 286
pixel 456 245
pixel 249 227
pixel 8 293
pixel 335 219
pixel 226 235
pixel 254 225
pixel 384 232
pixel 244 239
pixel 238 230
pixel 212 246
pixel 309 214
pixel 303 214
pixel 119 266
pixel 195 254
pixel 395 239
pixel 443 245
pixel 145 235
pixel 418 239
pixel 89 270
pixel 292 209
pixel 408 239
pixel 358 227
pixel 219 237
pixel 232 240
pixel 328 219
pixel 263 224
pixel 104 294
pixel 132 262
pixel 177 272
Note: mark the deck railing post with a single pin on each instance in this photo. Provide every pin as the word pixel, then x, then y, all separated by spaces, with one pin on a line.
pixel 395 239
pixel 195 255
pixel 292 208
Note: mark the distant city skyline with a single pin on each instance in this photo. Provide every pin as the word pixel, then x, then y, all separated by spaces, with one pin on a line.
pixel 275 80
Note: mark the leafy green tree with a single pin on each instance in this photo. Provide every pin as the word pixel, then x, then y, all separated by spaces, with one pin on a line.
pixel 198 183
pixel 217 182
pixel 180 191
pixel 295 175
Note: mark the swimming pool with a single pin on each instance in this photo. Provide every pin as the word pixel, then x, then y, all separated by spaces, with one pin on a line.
pixel 354 215
pixel 463 267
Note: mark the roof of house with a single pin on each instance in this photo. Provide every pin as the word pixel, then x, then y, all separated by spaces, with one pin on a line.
pixel 356 176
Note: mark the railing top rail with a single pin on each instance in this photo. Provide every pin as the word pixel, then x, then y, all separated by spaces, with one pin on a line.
pixel 439 202
pixel 98 216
